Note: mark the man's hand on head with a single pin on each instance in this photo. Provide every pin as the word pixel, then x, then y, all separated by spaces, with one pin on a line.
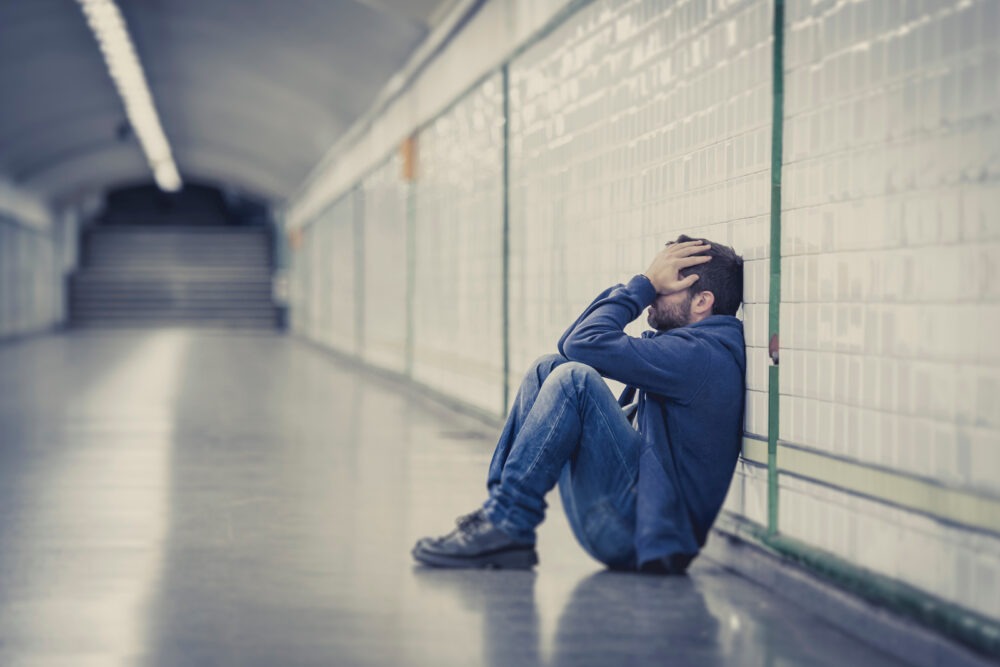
pixel 664 272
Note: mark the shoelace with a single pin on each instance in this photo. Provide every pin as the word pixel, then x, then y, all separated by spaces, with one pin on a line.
pixel 470 520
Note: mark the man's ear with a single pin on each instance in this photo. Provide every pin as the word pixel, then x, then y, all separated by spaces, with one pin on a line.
pixel 702 303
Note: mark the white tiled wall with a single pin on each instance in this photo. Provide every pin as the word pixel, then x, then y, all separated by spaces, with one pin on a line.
pixel 632 123
pixel 31 283
pixel 747 496
pixel 322 251
pixel 385 266
pixel 637 120
pixel 340 263
pixel 946 560
pixel 889 282
pixel 297 276
pixel 323 279
pixel 311 252
pixel 300 283
pixel 458 281
pixel 296 279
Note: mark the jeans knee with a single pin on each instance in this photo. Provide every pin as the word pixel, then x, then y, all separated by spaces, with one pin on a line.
pixel 548 361
pixel 573 371
pixel 543 366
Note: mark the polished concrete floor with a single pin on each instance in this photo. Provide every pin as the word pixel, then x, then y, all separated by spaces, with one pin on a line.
pixel 185 497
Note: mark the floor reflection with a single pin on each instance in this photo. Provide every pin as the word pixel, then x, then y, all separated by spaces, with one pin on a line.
pixel 85 513
pixel 216 499
pixel 707 618
pixel 609 618
pixel 505 601
pixel 620 618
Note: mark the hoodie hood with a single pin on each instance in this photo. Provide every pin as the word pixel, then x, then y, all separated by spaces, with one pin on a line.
pixel 725 330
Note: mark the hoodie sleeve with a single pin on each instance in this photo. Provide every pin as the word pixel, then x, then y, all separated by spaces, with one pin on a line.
pixel 600 297
pixel 673 365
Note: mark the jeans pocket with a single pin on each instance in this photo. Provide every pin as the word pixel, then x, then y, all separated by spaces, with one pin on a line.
pixel 610 537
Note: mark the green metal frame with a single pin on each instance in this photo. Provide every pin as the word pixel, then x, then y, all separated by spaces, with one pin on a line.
pixel 774 301
pixel 928 497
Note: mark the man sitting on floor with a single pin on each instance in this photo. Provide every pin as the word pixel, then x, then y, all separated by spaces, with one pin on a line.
pixel 642 477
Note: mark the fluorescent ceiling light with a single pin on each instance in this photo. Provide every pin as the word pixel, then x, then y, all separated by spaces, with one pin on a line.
pixel 109 28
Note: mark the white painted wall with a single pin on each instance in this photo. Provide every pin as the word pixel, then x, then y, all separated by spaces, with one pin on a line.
pixel 37 249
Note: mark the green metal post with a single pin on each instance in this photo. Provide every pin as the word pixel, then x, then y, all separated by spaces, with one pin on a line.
pixel 774 302
pixel 505 298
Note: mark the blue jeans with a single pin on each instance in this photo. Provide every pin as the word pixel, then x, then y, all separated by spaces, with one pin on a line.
pixel 566 426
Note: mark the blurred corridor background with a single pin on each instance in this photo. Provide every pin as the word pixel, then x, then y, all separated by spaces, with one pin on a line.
pixel 330 203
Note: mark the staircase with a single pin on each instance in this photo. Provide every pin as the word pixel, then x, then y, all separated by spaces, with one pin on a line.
pixel 167 276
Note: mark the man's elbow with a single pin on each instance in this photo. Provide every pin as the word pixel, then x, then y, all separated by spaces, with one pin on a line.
pixel 578 350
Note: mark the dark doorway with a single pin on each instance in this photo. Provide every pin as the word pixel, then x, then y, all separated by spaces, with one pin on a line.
pixel 195 205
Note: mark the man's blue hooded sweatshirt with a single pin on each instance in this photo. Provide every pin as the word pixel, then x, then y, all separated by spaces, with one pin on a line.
pixel 690 384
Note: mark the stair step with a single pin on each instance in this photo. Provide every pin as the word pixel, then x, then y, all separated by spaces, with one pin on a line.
pixel 171 291
pixel 166 313
pixel 179 277
pixel 235 323
pixel 170 275
pixel 163 304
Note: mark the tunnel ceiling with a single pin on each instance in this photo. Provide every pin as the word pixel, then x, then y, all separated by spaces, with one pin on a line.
pixel 250 93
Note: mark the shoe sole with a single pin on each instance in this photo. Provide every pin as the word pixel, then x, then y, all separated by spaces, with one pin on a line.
pixel 505 559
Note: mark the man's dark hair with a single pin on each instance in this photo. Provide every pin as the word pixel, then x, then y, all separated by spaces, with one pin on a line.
pixel 723 276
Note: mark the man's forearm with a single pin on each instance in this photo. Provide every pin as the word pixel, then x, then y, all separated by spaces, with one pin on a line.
pixel 603 324
pixel 586 311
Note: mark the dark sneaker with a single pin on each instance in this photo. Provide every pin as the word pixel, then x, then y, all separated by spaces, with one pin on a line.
pixel 460 523
pixel 475 543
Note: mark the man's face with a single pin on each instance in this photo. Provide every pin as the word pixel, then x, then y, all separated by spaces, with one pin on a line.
pixel 670 311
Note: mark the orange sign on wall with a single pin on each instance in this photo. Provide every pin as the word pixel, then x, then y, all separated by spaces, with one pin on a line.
pixel 295 238
pixel 408 153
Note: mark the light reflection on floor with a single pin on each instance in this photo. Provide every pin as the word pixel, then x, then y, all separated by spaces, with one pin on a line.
pixel 91 510
pixel 198 497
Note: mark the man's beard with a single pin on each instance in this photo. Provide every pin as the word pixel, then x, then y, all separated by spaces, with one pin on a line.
pixel 671 316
